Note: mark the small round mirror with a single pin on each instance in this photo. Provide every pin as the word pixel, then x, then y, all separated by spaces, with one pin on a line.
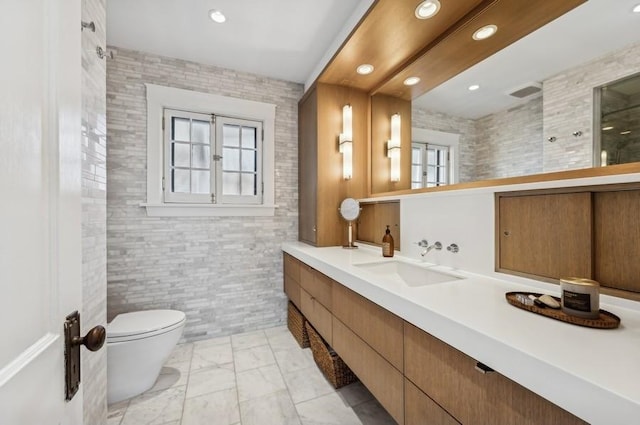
pixel 350 209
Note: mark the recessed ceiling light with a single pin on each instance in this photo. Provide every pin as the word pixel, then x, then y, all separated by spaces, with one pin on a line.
pixel 364 69
pixel 636 8
pixel 411 81
pixel 474 87
pixel 427 9
pixel 607 128
pixel 625 132
pixel 485 32
pixel 217 16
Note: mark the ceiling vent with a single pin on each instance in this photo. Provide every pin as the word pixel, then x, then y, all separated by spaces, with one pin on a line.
pixel 527 90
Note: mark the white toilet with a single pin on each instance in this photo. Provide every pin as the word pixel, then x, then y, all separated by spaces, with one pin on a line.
pixel 138 345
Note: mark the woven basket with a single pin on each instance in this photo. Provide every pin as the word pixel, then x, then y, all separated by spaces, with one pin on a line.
pixel 296 324
pixel 331 365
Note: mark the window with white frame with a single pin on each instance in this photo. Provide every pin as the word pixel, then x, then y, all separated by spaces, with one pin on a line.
pixel 434 158
pixel 212 159
pixel 209 155
pixel 429 165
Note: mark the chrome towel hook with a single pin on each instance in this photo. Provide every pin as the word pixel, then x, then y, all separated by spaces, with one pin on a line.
pixel 88 25
pixel 103 53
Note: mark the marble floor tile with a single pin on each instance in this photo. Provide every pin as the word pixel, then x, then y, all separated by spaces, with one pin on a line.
pixel 275 408
pixel 253 357
pixel 354 394
pixel 211 356
pixel 117 409
pixel 293 359
pixel 306 384
pixel 327 410
pixel 248 340
pixel 180 354
pixel 372 413
pixel 221 340
pixel 209 380
pixel 259 382
pixel 282 341
pixel 171 377
pixel 114 420
pixel 276 330
pixel 155 408
pixel 261 377
pixel 219 408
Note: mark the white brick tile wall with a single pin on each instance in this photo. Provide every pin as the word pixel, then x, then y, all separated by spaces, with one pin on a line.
pixel 568 107
pixel 94 210
pixel 225 273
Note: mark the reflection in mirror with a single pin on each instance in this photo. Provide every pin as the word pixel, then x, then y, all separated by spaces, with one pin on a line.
pixel 383 107
pixel 434 158
pixel 533 110
pixel 619 122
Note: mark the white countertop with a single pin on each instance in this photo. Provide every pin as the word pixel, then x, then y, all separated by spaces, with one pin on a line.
pixel 592 373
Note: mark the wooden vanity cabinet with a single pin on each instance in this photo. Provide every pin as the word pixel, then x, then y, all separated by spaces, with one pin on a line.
pixel 316 284
pixel 292 279
pixel 379 327
pixel 383 380
pixel 321 185
pixel 416 377
pixel 419 409
pixel 450 378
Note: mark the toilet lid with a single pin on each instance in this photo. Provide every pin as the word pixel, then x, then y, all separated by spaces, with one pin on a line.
pixel 142 322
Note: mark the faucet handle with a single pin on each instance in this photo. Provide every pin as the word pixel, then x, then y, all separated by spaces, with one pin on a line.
pixel 453 248
pixel 437 246
pixel 423 243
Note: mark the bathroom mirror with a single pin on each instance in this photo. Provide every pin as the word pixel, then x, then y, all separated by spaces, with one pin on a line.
pixel 533 111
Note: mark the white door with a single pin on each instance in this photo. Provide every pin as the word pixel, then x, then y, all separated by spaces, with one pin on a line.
pixel 40 210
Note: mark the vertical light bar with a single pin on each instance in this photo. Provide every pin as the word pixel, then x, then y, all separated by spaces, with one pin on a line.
pixel 393 148
pixel 346 142
pixel 603 158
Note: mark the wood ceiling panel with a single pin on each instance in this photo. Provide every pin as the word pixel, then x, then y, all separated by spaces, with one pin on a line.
pixel 457 51
pixel 388 37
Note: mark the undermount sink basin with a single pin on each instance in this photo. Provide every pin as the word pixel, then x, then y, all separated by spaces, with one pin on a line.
pixel 407 273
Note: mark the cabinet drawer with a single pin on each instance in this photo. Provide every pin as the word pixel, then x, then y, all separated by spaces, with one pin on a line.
pixel 317 314
pixel 316 284
pixel 448 376
pixel 445 374
pixel 291 267
pixel 292 289
pixel 379 328
pixel 383 380
pixel 421 410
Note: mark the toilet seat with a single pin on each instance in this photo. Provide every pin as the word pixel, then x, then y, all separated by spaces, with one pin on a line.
pixel 143 324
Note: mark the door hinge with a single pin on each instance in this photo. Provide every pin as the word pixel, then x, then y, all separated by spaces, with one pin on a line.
pixel 213 119
pixel 163 183
pixel 262 134
pixel 213 198
pixel 263 188
pixel 163 123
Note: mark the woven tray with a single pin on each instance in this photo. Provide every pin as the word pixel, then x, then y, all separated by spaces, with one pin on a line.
pixel 331 365
pixel 296 324
pixel 605 321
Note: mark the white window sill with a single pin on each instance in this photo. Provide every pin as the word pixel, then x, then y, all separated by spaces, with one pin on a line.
pixel 208 210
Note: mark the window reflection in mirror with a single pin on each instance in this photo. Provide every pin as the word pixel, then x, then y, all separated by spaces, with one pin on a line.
pixel 619 121
pixel 433 158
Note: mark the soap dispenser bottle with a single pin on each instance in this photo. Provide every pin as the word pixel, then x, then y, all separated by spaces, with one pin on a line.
pixel 387 243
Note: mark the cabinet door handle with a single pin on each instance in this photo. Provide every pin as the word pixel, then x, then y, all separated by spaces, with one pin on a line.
pixel 483 368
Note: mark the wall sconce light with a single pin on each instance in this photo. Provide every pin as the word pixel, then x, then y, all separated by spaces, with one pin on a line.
pixel 393 148
pixel 346 143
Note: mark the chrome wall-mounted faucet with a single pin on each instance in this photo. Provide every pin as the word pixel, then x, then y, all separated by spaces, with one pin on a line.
pixel 437 246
